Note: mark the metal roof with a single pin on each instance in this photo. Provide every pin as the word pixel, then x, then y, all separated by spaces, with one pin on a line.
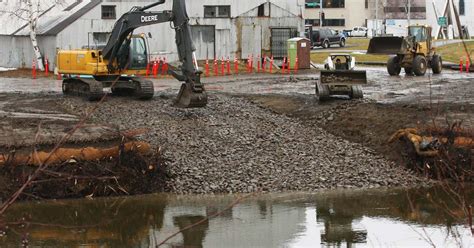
pixel 55 18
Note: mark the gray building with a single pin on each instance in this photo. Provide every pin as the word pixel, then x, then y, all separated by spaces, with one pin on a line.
pixel 220 28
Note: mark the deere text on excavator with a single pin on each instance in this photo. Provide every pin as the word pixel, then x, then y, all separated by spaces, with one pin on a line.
pixel 126 55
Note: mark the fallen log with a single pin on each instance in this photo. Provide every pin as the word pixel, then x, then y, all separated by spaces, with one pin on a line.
pixel 62 155
pixel 427 146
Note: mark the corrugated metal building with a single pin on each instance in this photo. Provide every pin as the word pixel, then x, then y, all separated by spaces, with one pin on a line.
pixel 219 28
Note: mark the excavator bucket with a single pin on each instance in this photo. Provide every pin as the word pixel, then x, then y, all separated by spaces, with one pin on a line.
pixel 386 45
pixel 190 96
pixel 349 77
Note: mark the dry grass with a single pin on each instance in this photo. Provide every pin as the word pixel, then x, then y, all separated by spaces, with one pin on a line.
pixel 454 52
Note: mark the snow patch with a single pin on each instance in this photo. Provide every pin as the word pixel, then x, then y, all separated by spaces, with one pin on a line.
pixel 7 69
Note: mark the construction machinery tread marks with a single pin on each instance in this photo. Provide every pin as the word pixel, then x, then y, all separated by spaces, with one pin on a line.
pixel 420 65
pixel 393 66
pixel 89 88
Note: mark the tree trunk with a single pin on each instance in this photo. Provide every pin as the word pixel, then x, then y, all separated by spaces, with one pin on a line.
pixel 33 18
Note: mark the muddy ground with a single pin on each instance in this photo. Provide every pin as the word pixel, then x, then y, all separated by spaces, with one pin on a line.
pixel 258 133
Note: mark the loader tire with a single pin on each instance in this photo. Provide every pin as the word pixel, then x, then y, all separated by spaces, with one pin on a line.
pixel 408 71
pixel 419 65
pixel 437 64
pixel 393 66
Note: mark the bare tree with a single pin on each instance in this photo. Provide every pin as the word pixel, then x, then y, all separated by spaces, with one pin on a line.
pixel 30 11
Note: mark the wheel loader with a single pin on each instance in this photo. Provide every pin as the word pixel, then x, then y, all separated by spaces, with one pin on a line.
pixel 340 78
pixel 126 55
pixel 414 53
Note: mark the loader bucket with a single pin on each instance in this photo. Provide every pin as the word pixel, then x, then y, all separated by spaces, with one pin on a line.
pixel 350 77
pixel 386 45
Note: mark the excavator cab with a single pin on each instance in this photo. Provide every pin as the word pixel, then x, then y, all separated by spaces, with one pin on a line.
pixel 138 53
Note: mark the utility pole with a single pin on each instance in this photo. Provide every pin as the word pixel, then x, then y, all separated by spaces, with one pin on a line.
pixel 409 12
pixel 320 13
pixel 376 17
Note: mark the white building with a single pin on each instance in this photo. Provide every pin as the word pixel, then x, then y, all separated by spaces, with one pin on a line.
pixel 339 14
pixel 219 28
pixel 393 15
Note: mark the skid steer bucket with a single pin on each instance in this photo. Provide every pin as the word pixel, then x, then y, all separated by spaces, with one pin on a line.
pixel 350 77
pixel 386 45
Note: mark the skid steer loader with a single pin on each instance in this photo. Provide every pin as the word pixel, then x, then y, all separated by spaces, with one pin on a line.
pixel 340 78
pixel 414 53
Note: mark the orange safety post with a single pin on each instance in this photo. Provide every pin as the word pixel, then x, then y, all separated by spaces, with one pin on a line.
pixel 155 69
pixel 461 68
pixel 216 70
pixel 283 66
pixel 288 65
pixel 236 65
pixel 248 64
pixel 164 67
pixel 258 63
pixel 228 65
pixel 271 64
pixel 251 63
pixel 207 67
pixel 34 69
pixel 147 73
pixel 222 66
pixel 467 64
pixel 46 67
pixel 296 64
pixel 264 65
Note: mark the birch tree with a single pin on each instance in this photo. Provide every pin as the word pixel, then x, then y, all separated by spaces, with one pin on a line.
pixel 30 11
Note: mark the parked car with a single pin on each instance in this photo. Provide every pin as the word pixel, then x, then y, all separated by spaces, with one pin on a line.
pixel 325 37
pixel 359 32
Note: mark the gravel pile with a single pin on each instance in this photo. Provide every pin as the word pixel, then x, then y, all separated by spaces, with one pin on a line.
pixel 234 146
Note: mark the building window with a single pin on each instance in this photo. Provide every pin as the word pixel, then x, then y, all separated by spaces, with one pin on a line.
pixel 108 11
pixel 333 4
pixel 366 4
pixel 462 7
pixel 217 11
pixel 334 22
pixel 312 22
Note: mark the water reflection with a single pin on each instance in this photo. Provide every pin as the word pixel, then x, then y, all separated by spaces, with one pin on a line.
pixel 331 219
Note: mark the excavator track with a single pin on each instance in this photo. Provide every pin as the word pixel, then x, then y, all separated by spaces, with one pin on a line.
pixel 144 89
pixel 90 89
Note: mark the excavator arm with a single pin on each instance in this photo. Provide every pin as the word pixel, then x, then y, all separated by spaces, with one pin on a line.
pixel 192 92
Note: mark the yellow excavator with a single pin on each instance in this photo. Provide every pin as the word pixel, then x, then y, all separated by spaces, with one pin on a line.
pixel 126 55
pixel 415 53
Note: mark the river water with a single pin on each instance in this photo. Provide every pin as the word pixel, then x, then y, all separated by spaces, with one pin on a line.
pixel 369 218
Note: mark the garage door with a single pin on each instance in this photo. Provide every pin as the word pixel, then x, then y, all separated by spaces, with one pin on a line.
pixel 204 40
pixel 279 39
